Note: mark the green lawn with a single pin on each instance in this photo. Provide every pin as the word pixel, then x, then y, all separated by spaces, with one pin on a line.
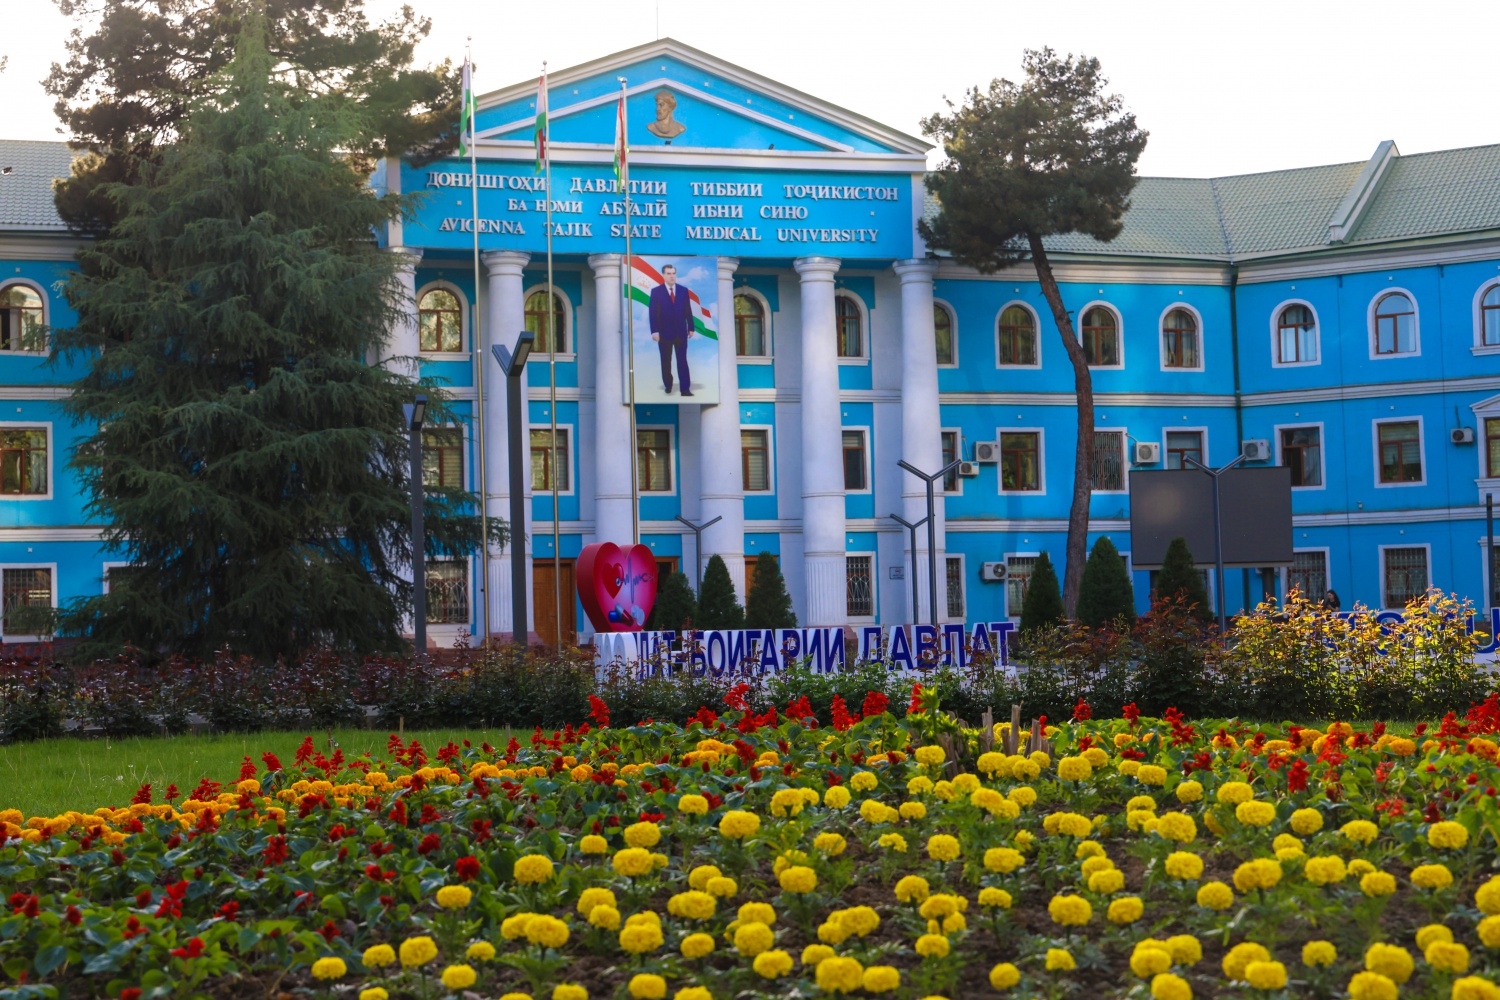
pixel 52 776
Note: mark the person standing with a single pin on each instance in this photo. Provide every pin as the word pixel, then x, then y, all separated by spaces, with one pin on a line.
pixel 1331 600
pixel 671 317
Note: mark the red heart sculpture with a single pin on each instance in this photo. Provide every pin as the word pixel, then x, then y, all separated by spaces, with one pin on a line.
pixel 616 586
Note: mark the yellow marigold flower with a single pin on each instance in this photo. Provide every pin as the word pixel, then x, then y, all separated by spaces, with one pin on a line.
pixel 570 991
pixel 1447 834
pixel 912 889
pixel 932 946
pixel 377 956
pixel 930 755
pixel 1359 866
pixel 455 897
pixel 787 802
pixel 1255 813
pixel 836 797
pixel 990 762
pixel 1088 849
pixel 913 810
pixel 330 967
pixel 1401 747
pixel 839 975
pixel 815 953
pixel 640 938
pixel 942 847
pixel 1169 987
pixel 633 862
pixel 695 904
pixel 1095 756
pixel 1106 880
pixel 772 964
pixel 480 951
pixel 1184 865
pixel 1022 795
pixel 693 993
pixel 1325 869
pixel 1151 774
pixel 1487 896
pixel 1185 949
pixel 941 904
pixel 722 887
pixel 697 945
pixel 1003 976
pixel 757 913
pixel 547 931
pixel 1431 876
pixel 692 805
pixel 1003 859
pixel 1070 911
pixel 1190 791
pixel 1474 988
pixel 1447 956
pixel 1148 960
pixel 1177 826
pixel 605 916
pixel 645 986
pixel 1040 757
pixel 893 842
pixel 699 876
pixel 417 951
pixel 1074 769
pixel 643 835
pixel 1259 873
pixel 1372 986
pixel 1430 933
pixel 1319 953
pixel 1489 932
pixel 1125 910
pixel 738 824
pixel 459 977
pixel 1073 825
pixel 379 993
pixel 992 897
pixel 1024 839
pixel 593 844
pixel 919 785
pixel 1215 896
pixel 798 879
pixel 1377 884
pixel 965 783
pixel 863 781
pixel 1361 831
pixel 1391 961
pixel 1024 768
pixel 751 939
pixel 1307 821
pixel 1060 960
pixel 1232 793
pixel 1240 956
pixel 1266 975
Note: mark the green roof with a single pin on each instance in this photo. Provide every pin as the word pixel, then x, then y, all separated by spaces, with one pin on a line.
pixel 27 170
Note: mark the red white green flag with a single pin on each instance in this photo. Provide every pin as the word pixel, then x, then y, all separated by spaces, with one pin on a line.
pixel 644 277
pixel 622 148
pixel 542 133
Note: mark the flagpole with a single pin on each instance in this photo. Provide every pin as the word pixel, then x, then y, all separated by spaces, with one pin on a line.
pixel 552 372
pixel 635 499
pixel 478 355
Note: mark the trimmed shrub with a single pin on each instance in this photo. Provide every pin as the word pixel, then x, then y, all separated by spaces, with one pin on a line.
pixel 1105 595
pixel 767 603
pixel 1043 606
pixel 1179 577
pixel 718 607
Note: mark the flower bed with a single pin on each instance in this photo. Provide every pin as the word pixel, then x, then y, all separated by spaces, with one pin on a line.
pixel 751 853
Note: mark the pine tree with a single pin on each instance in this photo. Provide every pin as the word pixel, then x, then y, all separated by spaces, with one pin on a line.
pixel 675 606
pixel 718 606
pixel 1043 605
pixel 1178 577
pixel 1105 596
pixel 768 605
pixel 246 460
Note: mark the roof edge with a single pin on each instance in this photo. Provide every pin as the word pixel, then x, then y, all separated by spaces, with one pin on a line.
pixel 1346 217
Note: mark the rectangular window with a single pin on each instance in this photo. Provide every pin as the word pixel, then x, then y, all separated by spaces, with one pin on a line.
pixel 1020 461
pixel 955 568
pixel 1182 445
pixel 855 479
pixel 1309 574
pixel 861 586
pixel 1109 460
pixel 443 457
pixel 1400 453
pixel 1017 578
pixel 1405 576
pixel 23 461
pixel 1302 452
pixel 544 466
pixel 755 460
pixel 950 455
pixel 21 590
pixel 1492 446
pixel 654 460
pixel 448 592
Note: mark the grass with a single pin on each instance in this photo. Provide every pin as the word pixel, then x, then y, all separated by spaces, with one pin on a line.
pixel 52 776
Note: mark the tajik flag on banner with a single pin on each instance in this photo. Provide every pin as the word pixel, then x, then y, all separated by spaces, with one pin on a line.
pixel 644 277
pixel 466 116
pixel 622 149
pixel 541 122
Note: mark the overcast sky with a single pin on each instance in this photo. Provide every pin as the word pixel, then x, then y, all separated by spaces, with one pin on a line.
pixel 1222 88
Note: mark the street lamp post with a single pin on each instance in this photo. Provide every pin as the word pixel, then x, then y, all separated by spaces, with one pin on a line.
pixel 416 413
pixel 1218 530
pixel 514 366
pixel 931 530
pixel 697 530
pixel 911 529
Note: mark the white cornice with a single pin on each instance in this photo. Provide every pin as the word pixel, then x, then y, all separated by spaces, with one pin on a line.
pixel 1101 399
pixel 45 533
pixel 1086 271
pixel 32 392
pixel 1375 390
pixel 1359 260
pixel 1039 524
pixel 1405 516
pixel 505 150
pixel 58 246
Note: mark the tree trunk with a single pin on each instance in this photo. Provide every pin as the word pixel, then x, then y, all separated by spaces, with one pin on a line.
pixel 1083 464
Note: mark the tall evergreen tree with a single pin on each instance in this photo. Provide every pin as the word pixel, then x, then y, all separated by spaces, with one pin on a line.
pixel 675 608
pixel 1043 606
pixel 1179 577
pixel 718 606
pixel 1051 155
pixel 246 460
pixel 768 605
pixel 1105 596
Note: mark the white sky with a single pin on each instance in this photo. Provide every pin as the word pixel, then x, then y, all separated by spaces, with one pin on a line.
pixel 1222 87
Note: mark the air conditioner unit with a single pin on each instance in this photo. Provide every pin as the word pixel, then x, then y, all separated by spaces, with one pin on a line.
pixel 968 470
pixel 994 572
pixel 986 451
pixel 1462 435
pixel 1147 452
pixel 1258 450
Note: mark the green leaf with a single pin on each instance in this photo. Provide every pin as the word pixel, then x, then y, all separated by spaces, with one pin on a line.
pixel 51 958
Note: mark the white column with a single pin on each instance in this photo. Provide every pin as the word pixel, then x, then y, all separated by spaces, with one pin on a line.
pixel 719 441
pixel 822 448
pixel 921 424
pixel 505 318
pixel 612 445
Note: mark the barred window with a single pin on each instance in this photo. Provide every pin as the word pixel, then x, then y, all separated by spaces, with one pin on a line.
pixel 860 601
pixel 1405 576
pixel 20 590
pixel 440 321
pixel 541 323
pixel 654 460
pixel 1018 570
pixel 443 457
pixel 23 461
pixel 448 592
pixel 1109 460
pixel 21 320
pixel 755 460
pixel 955 568
pixel 547 462
pixel 1309 575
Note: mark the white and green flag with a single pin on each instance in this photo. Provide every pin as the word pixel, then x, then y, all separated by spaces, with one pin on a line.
pixel 466 116
pixel 622 148
pixel 541 122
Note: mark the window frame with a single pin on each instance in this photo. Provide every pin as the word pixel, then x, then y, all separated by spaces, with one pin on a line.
pixel 958 454
pixel 46 317
pixel 1484 573
pixel 671 460
pixel 863 357
pixel 1041 461
pixel 864 433
pixel 45 425
pixel 770 431
pixel 947 307
pixel 572 461
pixel 1322 452
pixel 1426 547
pixel 464 310
pixel 1280 308
pixel 1375 425
pixel 1014 615
pixel 874 614
pixel 963 587
pixel 1161 333
pixel 49 566
pixel 1202 432
pixel 1480 347
pixel 1119 333
pixel 1124 462
pixel 1373 310
pixel 1286 571
pixel 570 321
pixel 468 576
pixel 1036 333
pixel 765 308
pixel 463 449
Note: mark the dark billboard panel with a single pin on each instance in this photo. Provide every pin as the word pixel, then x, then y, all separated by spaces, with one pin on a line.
pixel 1256 515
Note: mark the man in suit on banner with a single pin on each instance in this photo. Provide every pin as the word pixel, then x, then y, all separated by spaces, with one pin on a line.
pixel 671 326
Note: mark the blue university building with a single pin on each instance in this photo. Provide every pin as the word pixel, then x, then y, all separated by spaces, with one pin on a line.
pixel 1342 320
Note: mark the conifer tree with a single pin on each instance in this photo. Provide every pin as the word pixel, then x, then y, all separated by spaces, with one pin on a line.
pixel 245 460
pixel 1043 605
pixel 675 607
pixel 768 605
pixel 718 606
pixel 1179 577
pixel 1105 596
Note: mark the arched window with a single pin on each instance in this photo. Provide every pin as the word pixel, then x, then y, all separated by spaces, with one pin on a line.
pixel 749 327
pixel 1395 324
pixel 1179 340
pixel 1017 336
pixel 440 320
pixel 1489 317
pixel 850 325
pixel 942 328
pixel 1296 335
pixel 541 323
pixel 1101 337
pixel 22 320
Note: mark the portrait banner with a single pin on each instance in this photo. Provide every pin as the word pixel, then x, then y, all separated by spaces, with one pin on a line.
pixel 674 305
